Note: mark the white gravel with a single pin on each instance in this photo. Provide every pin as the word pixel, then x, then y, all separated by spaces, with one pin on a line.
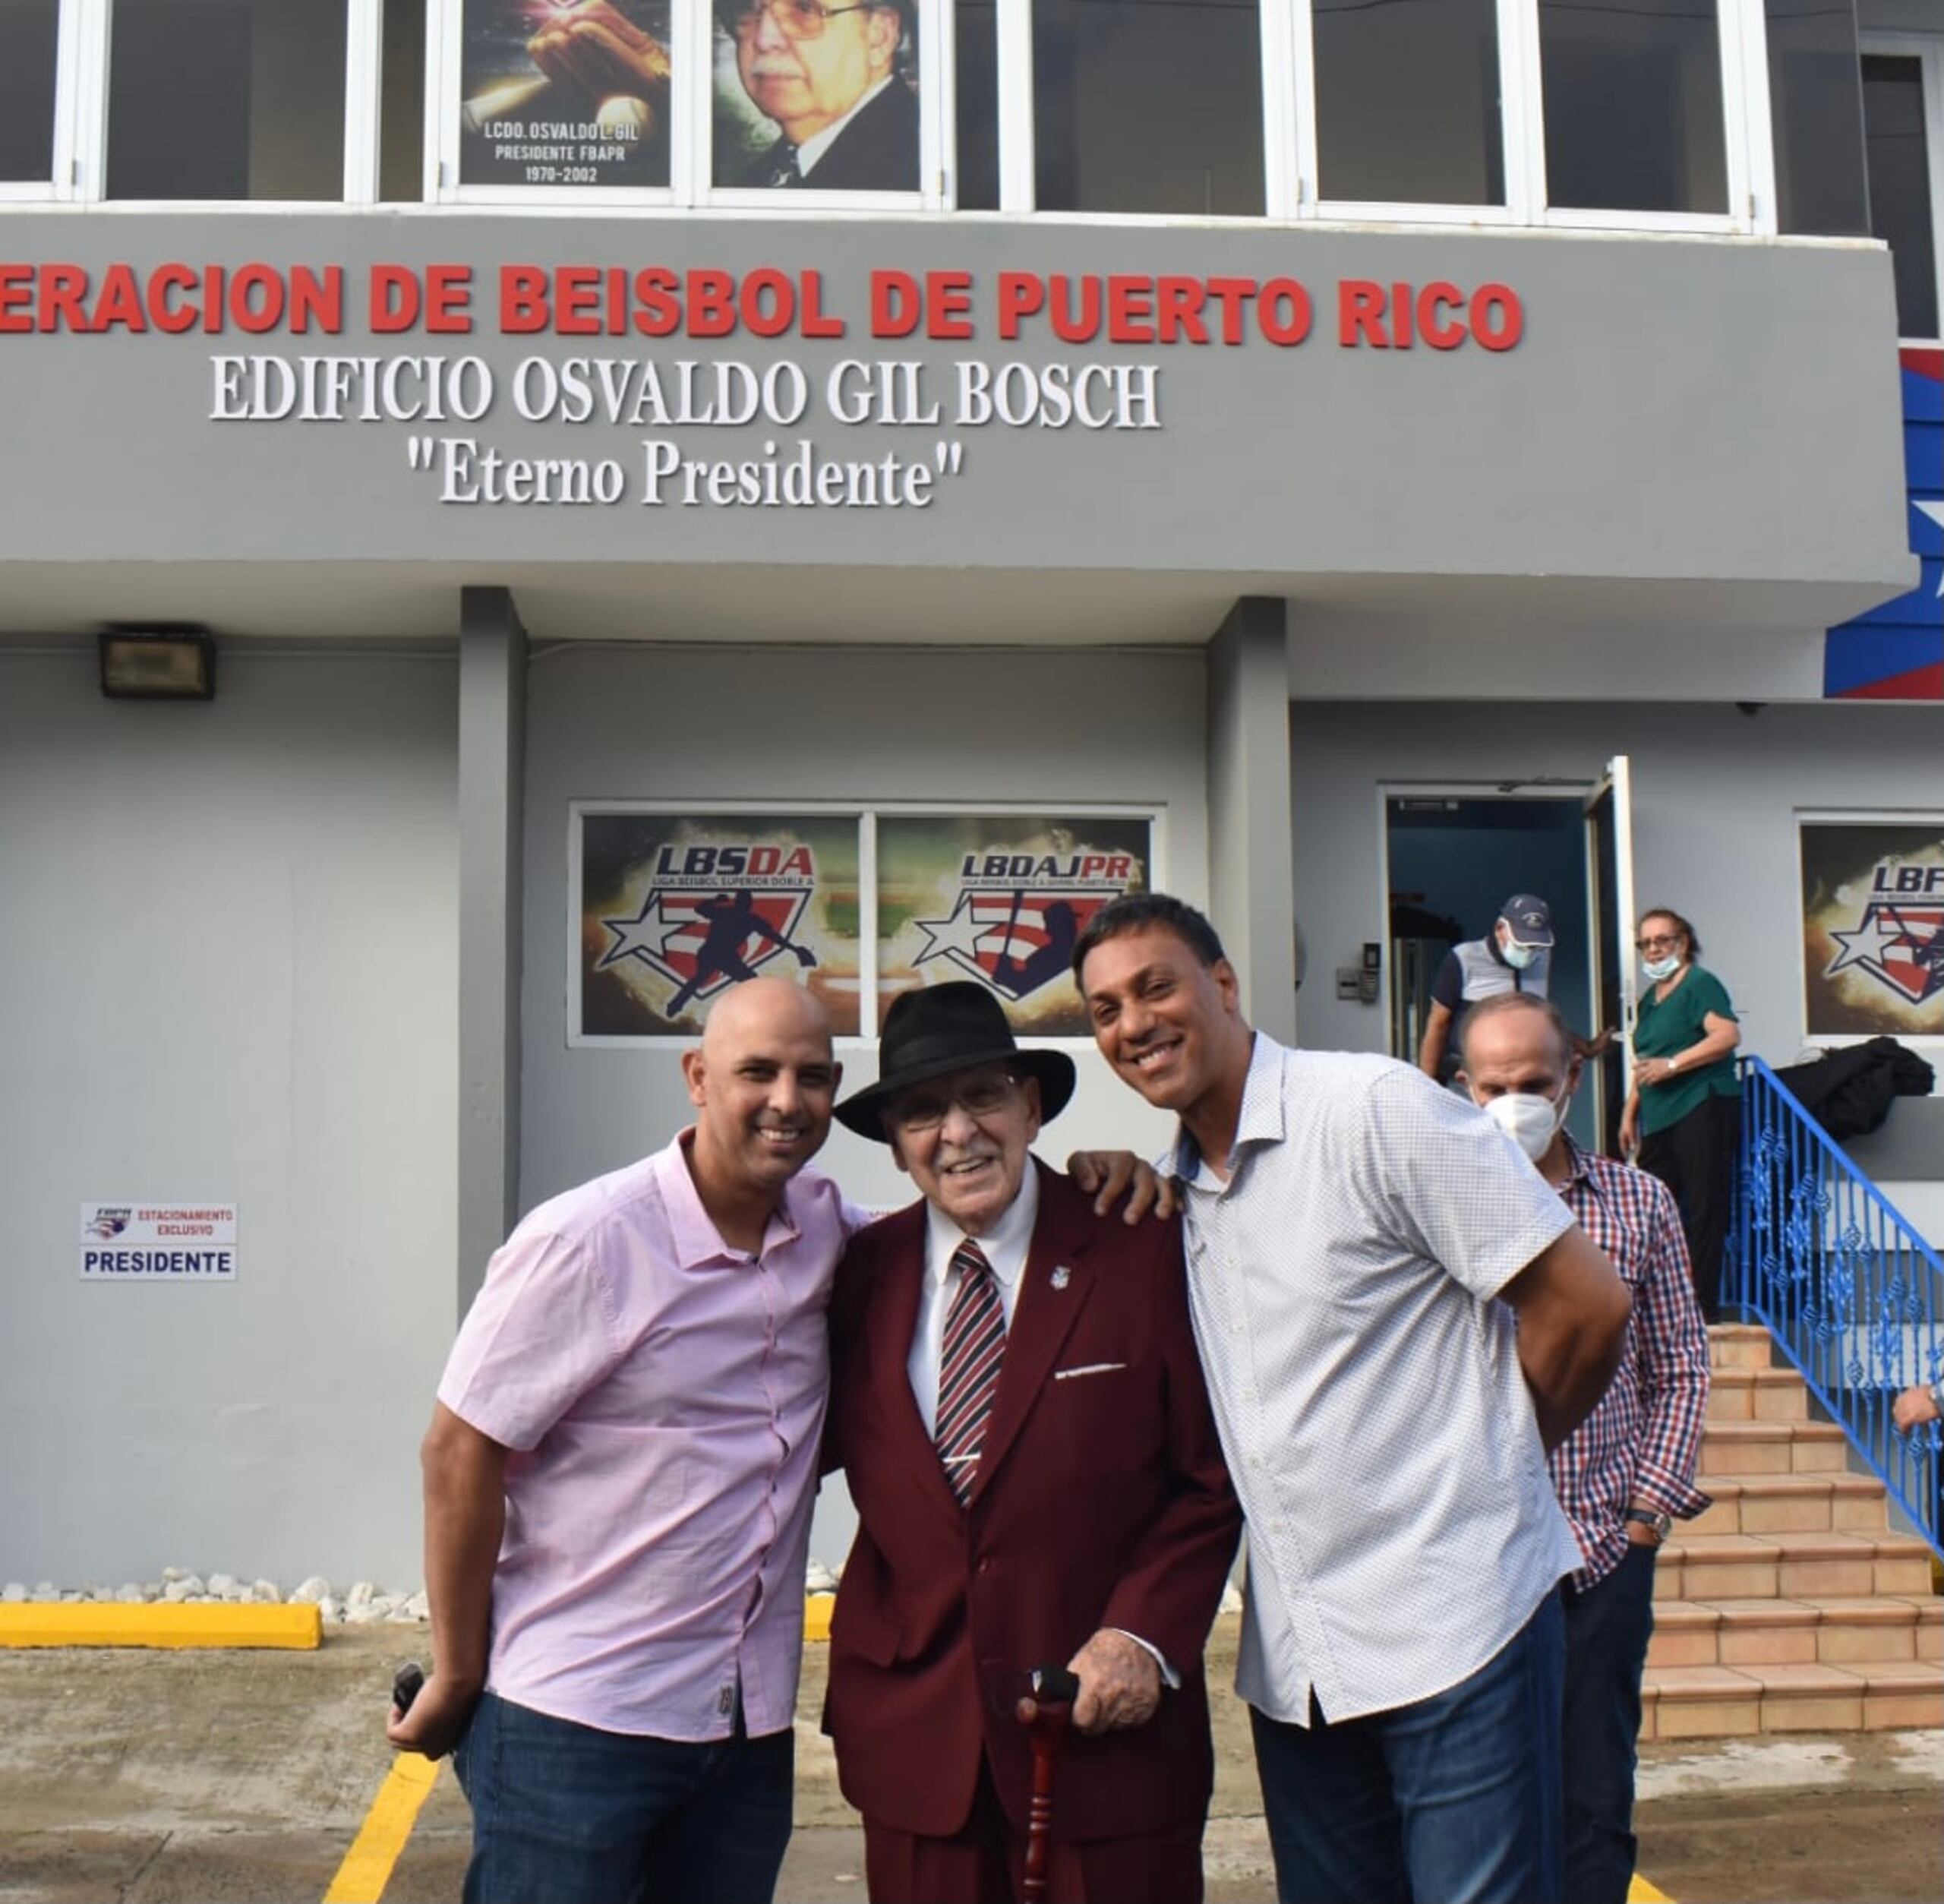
pixel 363 1603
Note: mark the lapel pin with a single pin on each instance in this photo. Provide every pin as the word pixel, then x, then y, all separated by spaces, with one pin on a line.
pixel 1061 1276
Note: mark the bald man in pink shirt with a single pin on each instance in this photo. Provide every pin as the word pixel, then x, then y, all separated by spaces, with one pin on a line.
pixel 619 1481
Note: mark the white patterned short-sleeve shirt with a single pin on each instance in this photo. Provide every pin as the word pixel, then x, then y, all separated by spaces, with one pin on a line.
pixel 1401 1525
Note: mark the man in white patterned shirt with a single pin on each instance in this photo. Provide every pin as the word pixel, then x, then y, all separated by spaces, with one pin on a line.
pixel 1359 1241
pixel 1628 1472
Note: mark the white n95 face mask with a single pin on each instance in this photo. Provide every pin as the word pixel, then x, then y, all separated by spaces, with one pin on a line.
pixel 1529 1122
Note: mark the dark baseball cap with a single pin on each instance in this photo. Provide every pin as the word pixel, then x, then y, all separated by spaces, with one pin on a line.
pixel 1530 919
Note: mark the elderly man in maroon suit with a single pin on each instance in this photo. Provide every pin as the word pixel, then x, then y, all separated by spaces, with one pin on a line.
pixel 1017 1402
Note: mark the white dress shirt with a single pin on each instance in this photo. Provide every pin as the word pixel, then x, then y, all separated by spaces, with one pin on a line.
pixel 1005 1250
pixel 1402 1524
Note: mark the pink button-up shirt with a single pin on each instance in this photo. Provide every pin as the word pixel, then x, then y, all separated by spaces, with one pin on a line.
pixel 664 1395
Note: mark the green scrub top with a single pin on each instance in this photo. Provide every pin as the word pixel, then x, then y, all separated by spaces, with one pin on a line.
pixel 1678 1023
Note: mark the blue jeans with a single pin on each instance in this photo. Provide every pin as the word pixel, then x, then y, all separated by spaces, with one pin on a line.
pixel 564 1814
pixel 1452 1800
pixel 1607 1627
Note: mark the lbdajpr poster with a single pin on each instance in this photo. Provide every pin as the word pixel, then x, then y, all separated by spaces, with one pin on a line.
pixel 565 92
pixel 1872 910
pixel 1002 899
pixel 677 908
pixel 816 96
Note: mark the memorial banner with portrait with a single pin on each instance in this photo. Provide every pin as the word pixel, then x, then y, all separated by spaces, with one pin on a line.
pixel 672 909
pixel 815 96
pixel 1001 899
pixel 1872 907
pixel 558 92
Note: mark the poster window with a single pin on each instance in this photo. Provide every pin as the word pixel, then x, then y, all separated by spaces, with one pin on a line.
pixel 673 909
pixel 818 95
pixel 1872 910
pixel 1001 898
pixel 558 93
pixel 670 907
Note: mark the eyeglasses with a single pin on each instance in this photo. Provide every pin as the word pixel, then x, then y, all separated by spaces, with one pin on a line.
pixel 926 1110
pixel 1661 942
pixel 795 19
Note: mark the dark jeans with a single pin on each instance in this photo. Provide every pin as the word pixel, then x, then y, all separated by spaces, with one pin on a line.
pixel 1607 1627
pixel 1695 1159
pixel 564 1814
pixel 1452 1800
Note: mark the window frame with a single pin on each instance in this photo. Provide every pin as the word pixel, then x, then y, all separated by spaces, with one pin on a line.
pixel 1927 49
pixel 1291 187
pixel 71 59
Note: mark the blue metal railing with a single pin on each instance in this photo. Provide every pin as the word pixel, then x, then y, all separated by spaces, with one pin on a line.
pixel 1853 1294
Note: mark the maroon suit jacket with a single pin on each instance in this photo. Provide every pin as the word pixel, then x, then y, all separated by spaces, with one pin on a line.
pixel 1102 1502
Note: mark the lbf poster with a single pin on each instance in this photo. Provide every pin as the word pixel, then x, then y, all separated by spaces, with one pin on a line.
pixel 1872 906
pixel 674 909
pixel 565 92
pixel 1001 899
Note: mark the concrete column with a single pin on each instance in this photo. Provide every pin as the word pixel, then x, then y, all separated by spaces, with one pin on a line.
pixel 1250 878
pixel 492 753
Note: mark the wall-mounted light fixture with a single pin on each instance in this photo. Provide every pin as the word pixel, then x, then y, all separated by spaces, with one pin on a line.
pixel 160 662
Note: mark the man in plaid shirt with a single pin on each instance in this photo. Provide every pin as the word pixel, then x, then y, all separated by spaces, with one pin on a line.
pixel 1628 1472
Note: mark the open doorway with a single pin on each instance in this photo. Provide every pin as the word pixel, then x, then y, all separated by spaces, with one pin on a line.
pixel 1453 860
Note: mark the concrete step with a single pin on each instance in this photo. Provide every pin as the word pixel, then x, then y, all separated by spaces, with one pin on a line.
pixel 1784 1565
pixel 1722 1702
pixel 1748 1447
pixel 1739 1345
pixel 1757 1395
pixel 1850 1632
pixel 1812 1503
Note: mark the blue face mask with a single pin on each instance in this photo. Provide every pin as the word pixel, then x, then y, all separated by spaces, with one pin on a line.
pixel 1518 956
pixel 1657 969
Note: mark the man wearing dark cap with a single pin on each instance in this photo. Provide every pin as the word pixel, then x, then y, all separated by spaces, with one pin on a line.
pixel 1016 1400
pixel 1515 956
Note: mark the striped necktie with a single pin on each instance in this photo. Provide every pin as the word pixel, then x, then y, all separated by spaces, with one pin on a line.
pixel 969 1367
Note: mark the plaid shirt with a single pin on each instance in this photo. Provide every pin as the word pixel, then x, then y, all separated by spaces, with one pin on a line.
pixel 1642 1442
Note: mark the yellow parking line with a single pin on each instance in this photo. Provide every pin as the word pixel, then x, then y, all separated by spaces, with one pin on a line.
pixel 48 1623
pixel 366 1868
pixel 1641 1892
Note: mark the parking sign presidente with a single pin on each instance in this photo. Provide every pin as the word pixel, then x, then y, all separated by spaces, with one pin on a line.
pixel 130 1241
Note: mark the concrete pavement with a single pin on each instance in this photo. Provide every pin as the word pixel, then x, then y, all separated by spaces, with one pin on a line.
pixel 154 1777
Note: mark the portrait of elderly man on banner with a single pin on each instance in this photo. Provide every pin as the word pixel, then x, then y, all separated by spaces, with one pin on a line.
pixel 816 94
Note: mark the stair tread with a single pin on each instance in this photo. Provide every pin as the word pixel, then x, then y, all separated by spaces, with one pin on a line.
pixel 1829 1544
pixel 1734 1431
pixel 1716 1682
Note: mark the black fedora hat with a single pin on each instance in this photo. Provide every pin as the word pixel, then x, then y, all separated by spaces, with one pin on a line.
pixel 939 1029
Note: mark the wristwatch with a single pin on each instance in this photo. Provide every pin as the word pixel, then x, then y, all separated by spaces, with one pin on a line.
pixel 1662 1523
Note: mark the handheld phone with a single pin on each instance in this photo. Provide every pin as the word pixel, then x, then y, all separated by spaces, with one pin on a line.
pixel 406 1685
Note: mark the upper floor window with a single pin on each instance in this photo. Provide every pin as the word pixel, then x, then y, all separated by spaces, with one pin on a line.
pixel 1148 105
pixel 1602 112
pixel 226 99
pixel 1816 108
pixel 1633 104
pixel 30 36
pixel 1408 101
pixel 1897 92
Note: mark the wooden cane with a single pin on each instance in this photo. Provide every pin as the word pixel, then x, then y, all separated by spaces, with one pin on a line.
pixel 1054 1691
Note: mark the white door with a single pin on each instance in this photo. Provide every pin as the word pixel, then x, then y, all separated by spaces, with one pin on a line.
pixel 1609 903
